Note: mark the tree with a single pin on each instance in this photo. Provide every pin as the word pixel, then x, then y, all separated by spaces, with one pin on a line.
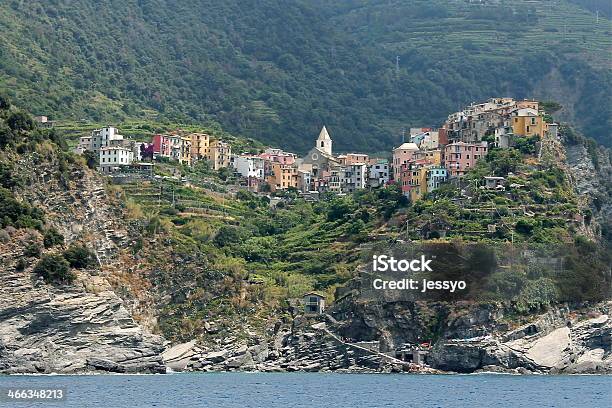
pixel 503 161
pixel 91 158
pixel 4 103
pixel 19 121
pixel 229 234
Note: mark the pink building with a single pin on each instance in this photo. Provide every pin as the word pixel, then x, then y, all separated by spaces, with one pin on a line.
pixel 278 156
pixel 458 157
pixel 402 155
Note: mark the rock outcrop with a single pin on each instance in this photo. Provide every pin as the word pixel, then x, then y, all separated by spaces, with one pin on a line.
pixel 44 329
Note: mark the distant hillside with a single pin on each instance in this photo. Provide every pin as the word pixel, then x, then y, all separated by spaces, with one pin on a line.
pixel 278 70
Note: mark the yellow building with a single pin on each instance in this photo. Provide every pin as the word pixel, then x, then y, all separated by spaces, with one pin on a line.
pixel 430 156
pixel 200 145
pixel 283 176
pixel 528 122
pixel 185 157
pixel 219 154
pixel 417 181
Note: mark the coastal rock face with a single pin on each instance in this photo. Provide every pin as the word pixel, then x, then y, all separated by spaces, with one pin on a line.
pixel 79 327
pixel 64 330
pixel 591 173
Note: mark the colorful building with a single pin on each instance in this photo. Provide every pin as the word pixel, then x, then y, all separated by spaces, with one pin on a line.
pixel 283 176
pixel 219 154
pixel 433 156
pixel 528 122
pixel 458 157
pixel 436 175
pixel 161 145
pixel 402 155
pixel 200 145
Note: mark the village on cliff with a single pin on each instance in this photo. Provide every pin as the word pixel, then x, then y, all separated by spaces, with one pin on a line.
pixel 429 158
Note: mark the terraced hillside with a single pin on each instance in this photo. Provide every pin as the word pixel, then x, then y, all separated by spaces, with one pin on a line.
pixel 277 71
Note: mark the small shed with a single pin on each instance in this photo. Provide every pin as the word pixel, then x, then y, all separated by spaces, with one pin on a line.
pixel 314 303
pixel 492 182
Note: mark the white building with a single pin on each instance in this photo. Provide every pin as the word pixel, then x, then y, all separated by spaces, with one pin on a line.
pixel 105 137
pixel 114 157
pixel 355 177
pixel 84 144
pixel 379 173
pixel 249 166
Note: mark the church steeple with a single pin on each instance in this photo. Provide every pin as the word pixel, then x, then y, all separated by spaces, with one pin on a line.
pixel 324 142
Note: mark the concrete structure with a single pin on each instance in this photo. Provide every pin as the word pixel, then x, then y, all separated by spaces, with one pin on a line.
pixel 278 156
pixel 458 157
pixel 528 122
pixel 493 182
pixel 355 158
pixel 333 179
pixel 314 303
pixel 324 141
pixel 436 175
pixel 553 130
pixel 84 144
pixel 304 181
pixel 161 145
pixel 428 156
pixel 426 140
pixel 185 150
pixel 44 121
pixel 249 166
pixel 417 182
pixel 105 137
pixel 283 176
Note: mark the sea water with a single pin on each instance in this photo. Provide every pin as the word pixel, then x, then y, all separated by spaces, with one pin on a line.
pixel 316 390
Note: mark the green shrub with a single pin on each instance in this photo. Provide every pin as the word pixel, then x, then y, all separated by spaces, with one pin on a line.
pixel 54 269
pixel 52 237
pixel 32 249
pixel 21 264
pixel 80 257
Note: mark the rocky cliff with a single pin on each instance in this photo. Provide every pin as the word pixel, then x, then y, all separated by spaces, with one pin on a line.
pixel 78 327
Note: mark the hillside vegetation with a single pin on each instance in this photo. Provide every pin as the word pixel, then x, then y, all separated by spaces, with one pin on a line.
pixel 277 70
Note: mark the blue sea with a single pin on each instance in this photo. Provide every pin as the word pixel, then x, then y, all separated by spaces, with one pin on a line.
pixel 314 390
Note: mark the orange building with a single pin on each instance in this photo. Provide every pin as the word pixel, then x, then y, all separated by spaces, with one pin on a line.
pixel 283 176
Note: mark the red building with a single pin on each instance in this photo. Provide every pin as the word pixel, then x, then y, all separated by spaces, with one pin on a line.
pixel 161 145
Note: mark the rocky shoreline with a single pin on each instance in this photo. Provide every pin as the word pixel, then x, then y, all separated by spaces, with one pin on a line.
pixel 544 346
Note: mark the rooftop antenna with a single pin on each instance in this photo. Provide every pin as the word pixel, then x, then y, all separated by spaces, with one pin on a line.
pixel 403 134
